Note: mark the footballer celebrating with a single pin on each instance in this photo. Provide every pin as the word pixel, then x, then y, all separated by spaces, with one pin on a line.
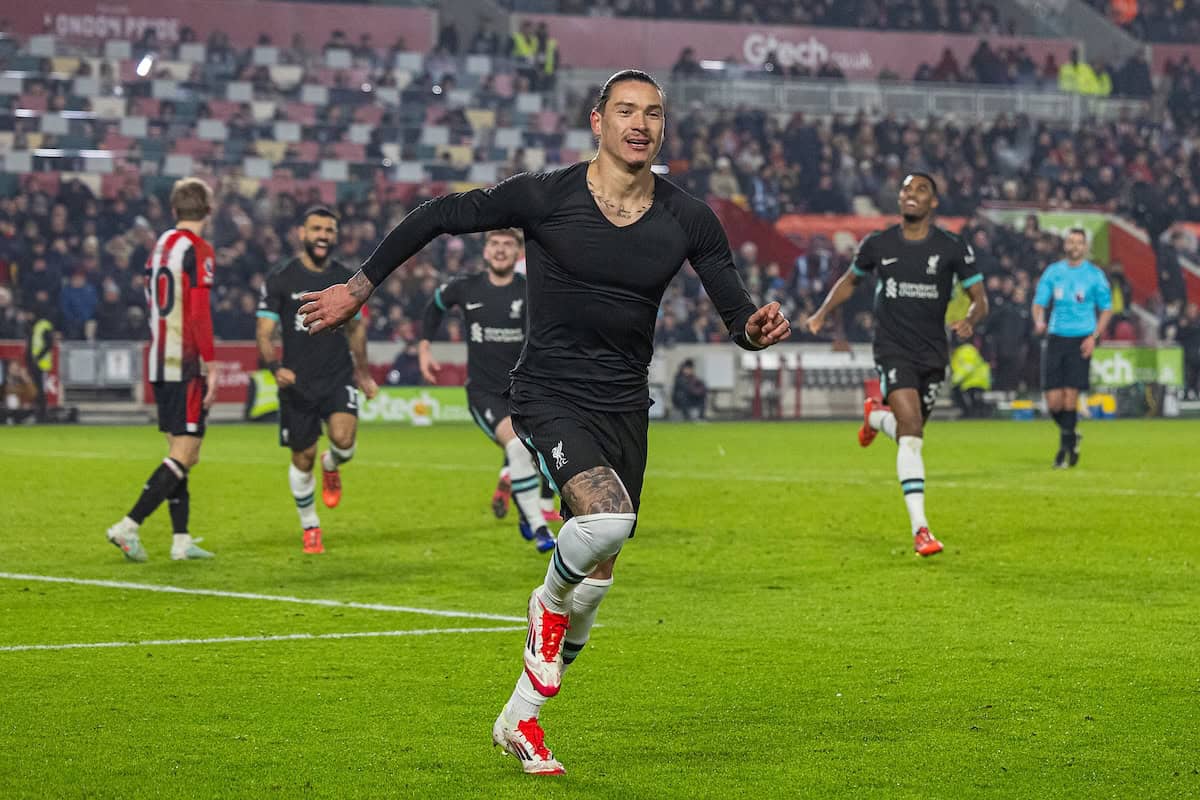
pixel 493 302
pixel 916 264
pixel 603 240
pixel 317 376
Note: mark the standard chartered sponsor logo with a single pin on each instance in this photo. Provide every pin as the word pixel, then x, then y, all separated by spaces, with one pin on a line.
pixel 893 288
pixel 498 335
pixel 503 335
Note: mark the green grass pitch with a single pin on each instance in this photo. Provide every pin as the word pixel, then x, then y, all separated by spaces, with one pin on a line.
pixel 770 633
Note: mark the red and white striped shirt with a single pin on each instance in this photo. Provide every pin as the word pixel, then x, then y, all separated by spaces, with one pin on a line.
pixel 179 276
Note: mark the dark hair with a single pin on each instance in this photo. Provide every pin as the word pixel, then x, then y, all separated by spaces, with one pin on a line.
pixel 929 178
pixel 625 75
pixel 318 211
pixel 1081 232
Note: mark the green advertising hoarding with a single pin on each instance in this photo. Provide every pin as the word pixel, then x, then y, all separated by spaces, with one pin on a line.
pixel 1114 367
pixel 425 403
pixel 1059 222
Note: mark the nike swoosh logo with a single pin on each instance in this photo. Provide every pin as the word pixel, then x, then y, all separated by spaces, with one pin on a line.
pixel 887 261
pixel 473 306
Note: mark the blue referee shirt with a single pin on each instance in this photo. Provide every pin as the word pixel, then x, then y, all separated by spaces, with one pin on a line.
pixel 1075 296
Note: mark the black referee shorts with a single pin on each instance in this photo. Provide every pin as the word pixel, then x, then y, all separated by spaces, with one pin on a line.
pixel 1063 365
pixel 569 440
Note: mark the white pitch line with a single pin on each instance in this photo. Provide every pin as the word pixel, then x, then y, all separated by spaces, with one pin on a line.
pixel 274 598
pixel 287 637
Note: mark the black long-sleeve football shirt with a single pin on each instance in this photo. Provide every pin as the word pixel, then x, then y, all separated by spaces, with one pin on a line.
pixel 594 287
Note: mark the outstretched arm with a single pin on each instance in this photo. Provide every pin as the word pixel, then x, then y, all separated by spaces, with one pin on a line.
pixel 515 203
pixel 710 256
pixel 842 291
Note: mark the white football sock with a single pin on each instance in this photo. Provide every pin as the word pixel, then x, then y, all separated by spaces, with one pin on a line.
pixel 883 421
pixel 526 485
pixel 583 543
pixel 335 456
pixel 910 468
pixel 584 605
pixel 304 486
pixel 525 702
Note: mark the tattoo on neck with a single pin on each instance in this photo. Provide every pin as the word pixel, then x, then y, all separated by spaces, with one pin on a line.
pixel 617 208
pixel 360 286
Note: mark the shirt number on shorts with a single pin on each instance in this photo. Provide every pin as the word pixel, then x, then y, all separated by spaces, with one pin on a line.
pixel 931 394
pixel 353 403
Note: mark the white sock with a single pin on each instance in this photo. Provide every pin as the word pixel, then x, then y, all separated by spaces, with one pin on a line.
pixel 584 605
pixel 304 486
pixel 910 468
pixel 883 421
pixel 180 542
pixel 525 702
pixel 526 484
pixel 583 544
pixel 335 456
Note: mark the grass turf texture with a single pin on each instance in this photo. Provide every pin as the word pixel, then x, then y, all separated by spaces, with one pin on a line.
pixel 770 633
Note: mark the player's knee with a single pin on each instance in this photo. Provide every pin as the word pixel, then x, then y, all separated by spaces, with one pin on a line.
pixel 303 459
pixel 605 534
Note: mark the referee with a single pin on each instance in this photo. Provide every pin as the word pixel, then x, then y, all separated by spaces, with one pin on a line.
pixel 1080 302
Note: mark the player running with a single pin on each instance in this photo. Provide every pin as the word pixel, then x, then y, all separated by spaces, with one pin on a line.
pixel 916 264
pixel 603 240
pixel 317 376
pixel 1075 289
pixel 493 302
pixel 180 367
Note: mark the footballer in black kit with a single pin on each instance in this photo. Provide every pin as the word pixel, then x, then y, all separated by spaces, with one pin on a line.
pixel 319 376
pixel 913 285
pixel 916 265
pixel 493 303
pixel 603 240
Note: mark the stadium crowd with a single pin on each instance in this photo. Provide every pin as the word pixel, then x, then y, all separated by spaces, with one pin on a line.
pixel 77 257
pixel 77 260
pixel 950 16
pixel 1154 20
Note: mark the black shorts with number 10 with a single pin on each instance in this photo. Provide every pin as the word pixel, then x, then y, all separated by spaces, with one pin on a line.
pixel 300 414
pixel 895 374
pixel 568 440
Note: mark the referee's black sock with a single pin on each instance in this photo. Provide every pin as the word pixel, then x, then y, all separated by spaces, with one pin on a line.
pixel 161 485
pixel 1067 436
pixel 1058 418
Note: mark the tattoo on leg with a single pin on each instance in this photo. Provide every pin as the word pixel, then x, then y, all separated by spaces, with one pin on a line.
pixel 597 491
